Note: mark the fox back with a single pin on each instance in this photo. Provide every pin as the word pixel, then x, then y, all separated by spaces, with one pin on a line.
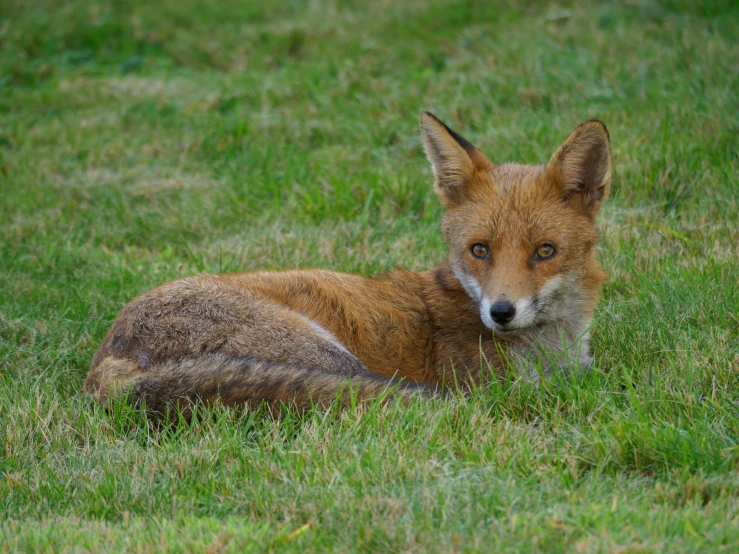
pixel 518 289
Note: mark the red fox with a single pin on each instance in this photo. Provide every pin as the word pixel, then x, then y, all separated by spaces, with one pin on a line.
pixel 518 288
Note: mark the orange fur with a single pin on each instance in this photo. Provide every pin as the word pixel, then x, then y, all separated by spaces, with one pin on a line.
pixel 306 336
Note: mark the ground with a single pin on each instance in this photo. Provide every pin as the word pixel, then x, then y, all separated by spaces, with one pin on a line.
pixel 140 142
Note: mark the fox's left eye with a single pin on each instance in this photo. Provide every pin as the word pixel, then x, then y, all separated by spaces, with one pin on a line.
pixel 545 251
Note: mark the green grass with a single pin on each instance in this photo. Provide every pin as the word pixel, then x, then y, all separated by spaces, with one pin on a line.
pixel 144 141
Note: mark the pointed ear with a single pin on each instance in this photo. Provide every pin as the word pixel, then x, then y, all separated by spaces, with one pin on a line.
pixel 582 166
pixel 453 159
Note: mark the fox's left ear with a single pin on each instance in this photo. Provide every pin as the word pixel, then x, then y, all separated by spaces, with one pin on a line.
pixel 582 166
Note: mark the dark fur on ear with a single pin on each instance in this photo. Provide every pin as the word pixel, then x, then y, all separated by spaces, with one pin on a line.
pixel 453 159
pixel 463 142
pixel 582 166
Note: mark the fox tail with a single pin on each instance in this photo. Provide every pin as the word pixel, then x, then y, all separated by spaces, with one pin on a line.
pixel 235 380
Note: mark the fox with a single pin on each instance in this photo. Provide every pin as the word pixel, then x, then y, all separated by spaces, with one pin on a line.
pixel 516 291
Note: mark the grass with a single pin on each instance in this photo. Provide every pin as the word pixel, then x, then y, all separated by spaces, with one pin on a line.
pixel 140 142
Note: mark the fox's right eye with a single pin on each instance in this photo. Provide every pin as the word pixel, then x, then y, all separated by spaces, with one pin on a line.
pixel 480 251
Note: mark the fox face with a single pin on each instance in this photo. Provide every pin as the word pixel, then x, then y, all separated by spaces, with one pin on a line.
pixel 522 238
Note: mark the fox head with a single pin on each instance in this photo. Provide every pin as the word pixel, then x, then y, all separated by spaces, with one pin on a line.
pixel 522 238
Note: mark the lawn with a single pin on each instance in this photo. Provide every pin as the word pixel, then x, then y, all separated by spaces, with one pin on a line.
pixel 144 141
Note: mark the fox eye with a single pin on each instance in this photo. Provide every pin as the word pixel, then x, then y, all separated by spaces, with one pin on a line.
pixel 480 251
pixel 545 251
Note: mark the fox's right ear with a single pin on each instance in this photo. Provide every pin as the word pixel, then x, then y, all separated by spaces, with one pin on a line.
pixel 453 159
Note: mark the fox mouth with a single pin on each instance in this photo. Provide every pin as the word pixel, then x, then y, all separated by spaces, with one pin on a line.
pixel 508 330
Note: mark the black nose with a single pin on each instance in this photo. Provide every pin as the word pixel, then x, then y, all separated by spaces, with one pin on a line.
pixel 502 312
